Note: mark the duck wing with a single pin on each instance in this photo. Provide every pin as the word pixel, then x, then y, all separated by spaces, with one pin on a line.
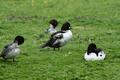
pixel 7 48
pixel 98 50
pixel 54 39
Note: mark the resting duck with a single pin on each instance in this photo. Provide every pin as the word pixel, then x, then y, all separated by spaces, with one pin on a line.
pixel 93 53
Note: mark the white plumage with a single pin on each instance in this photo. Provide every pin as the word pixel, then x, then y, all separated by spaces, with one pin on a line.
pixel 93 56
pixel 14 51
pixel 59 38
pixel 51 30
pixel 93 53
pixel 66 37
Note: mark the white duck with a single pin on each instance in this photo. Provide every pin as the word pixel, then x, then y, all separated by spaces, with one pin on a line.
pixel 93 53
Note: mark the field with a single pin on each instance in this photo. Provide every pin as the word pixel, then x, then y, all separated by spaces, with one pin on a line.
pixel 95 20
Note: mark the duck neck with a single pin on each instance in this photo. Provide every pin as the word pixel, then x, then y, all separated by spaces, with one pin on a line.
pixel 52 27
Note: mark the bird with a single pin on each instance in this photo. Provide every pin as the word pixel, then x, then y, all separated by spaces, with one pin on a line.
pixel 93 53
pixel 52 27
pixel 60 38
pixel 12 50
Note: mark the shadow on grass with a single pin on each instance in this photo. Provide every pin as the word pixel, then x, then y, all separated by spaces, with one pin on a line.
pixel 8 62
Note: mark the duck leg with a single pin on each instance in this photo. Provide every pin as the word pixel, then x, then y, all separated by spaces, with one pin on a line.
pixel 14 60
pixel 54 48
pixel 58 48
pixel 5 59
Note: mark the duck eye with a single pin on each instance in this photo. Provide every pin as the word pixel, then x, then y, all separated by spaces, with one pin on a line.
pixel 101 55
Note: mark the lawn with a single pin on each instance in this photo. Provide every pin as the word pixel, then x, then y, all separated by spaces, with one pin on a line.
pixel 95 20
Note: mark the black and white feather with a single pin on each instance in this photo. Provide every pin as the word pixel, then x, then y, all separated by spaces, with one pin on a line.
pixel 60 38
pixel 11 50
pixel 93 53
pixel 52 28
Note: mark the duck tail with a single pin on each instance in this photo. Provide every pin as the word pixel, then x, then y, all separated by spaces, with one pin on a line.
pixel 48 43
pixel 43 46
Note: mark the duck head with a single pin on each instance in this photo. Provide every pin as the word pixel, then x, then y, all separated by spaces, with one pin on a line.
pixel 19 40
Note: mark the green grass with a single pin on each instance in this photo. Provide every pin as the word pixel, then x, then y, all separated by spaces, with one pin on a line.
pixel 98 20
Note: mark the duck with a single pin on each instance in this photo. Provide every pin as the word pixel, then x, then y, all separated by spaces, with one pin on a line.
pixel 12 50
pixel 52 27
pixel 60 38
pixel 93 53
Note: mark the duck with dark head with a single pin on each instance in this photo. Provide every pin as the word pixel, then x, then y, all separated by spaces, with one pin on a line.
pixel 60 38
pixel 12 50
pixel 52 27
pixel 93 53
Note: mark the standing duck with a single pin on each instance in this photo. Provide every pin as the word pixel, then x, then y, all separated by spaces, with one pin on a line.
pixel 59 38
pixel 12 50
